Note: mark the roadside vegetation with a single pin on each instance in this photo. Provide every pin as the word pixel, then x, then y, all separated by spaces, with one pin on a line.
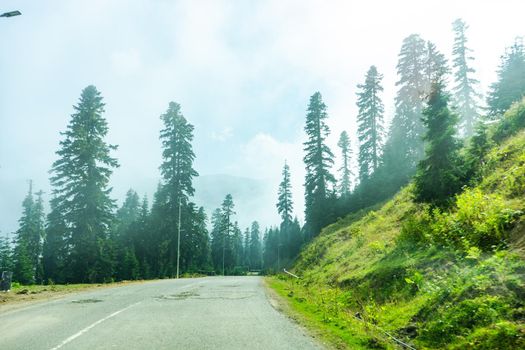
pixel 433 277
pixel 25 293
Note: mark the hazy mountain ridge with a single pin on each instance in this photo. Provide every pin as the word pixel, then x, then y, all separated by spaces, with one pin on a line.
pixel 252 197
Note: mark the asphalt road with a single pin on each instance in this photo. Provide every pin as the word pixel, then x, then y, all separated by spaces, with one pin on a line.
pixel 204 313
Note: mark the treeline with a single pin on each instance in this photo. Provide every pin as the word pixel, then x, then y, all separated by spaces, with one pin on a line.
pixel 437 111
pixel 86 238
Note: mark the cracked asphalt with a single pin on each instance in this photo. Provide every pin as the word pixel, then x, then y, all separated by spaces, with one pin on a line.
pixel 202 313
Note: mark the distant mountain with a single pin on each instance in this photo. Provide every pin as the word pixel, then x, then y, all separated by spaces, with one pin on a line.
pixel 254 199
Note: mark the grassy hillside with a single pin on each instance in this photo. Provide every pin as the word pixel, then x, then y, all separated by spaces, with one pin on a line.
pixel 432 278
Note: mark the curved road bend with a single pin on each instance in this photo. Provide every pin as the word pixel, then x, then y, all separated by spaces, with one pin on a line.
pixel 204 313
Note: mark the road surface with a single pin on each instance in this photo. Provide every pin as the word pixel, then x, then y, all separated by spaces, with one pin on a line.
pixel 203 313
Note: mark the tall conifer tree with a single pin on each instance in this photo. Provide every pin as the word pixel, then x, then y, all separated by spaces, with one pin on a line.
pixel 255 246
pixel 29 236
pixel 438 176
pixel 346 173
pixel 178 173
pixel 436 68
pixel 465 95
pixel 318 161
pixel 370 123
pixel 404 147
pixel 80 184
pixel 510 86
pixel 285 202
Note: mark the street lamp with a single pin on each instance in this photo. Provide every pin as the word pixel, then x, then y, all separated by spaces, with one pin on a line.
pixel 11 14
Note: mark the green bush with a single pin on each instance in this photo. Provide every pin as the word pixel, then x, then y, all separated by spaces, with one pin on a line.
pixel 479 220
pixel 460 319
pixel 416 228
pixel 512 122
pixel 500 336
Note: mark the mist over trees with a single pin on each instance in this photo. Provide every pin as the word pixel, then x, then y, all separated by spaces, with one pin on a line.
pixel 465 95
pixel 510 86
pixel 85 238
pixel 370 123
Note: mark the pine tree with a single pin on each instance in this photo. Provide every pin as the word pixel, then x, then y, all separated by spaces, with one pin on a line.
pixel 238 251
pixel 255 246
pixel 285 202
pixel 36 243
pixel 346 172
pixel 271 251
pixel 29 236
pixel 144 241
pixel 246 247
pixel 177 167
pixel 54 251
pixel 129 212
pixel 477 150
pixel 510 86
pixel 404 147
pixel 6 254
pixel 198 255
pixel 465 96
pixel 436 68
pixel 124 236
pixel 222 237
pixel 177 171
pixel 295 239
pixel 80 184
pixel 370 123
pixel 318 161
pixel 161 233
pixel 438 176
pixel 23 270
pixel 218 239
pixel 227 212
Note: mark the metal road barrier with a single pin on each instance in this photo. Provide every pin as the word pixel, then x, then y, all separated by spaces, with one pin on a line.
pixel 5 282
pixel 291 274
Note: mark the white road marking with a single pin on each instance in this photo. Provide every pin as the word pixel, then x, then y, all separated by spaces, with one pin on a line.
pixel 76 335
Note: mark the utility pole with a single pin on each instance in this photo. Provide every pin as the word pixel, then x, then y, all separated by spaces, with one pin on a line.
pixel 178 238
pixel 224 240
pixel 278 250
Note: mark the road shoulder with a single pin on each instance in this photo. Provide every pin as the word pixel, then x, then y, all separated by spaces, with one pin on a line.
pixel 282 305
pixel 23 296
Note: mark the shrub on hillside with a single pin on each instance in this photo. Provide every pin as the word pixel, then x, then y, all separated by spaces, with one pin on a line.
pixel 461 318
pixel 512 122
pixel 479 220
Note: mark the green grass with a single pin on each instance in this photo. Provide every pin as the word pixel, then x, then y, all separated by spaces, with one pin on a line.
pixel 453 278
pixel 336 328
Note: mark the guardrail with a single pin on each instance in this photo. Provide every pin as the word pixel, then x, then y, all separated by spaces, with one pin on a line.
pixel 291 274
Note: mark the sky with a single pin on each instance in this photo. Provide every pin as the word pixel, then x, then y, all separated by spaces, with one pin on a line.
pixel 242 70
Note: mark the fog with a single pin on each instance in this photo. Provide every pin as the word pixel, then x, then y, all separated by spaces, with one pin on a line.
pixel 243 72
